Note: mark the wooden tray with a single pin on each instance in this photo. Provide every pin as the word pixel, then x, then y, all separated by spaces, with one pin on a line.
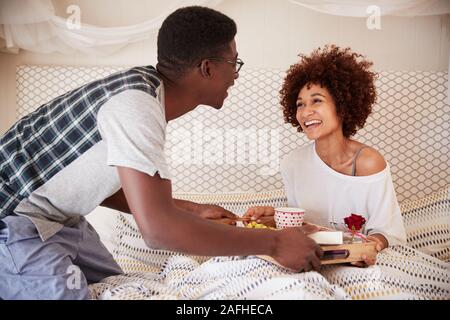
pixel 347 252
pixel 343 253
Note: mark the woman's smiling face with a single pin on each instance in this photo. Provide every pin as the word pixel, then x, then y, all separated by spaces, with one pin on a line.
pixel 316 112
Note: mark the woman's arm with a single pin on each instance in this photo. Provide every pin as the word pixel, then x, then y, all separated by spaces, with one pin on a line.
pixel 385 219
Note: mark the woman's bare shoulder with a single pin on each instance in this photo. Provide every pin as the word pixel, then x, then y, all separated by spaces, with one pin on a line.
pixel 369 162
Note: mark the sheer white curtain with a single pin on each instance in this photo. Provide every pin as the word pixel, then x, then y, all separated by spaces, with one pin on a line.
pixel 32 25
pixel 359 8
pixel 362 8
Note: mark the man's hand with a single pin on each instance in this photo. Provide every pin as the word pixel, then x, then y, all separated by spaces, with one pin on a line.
pixel 296 250
pixel 261 214
pixel 382 243
pixel 213 212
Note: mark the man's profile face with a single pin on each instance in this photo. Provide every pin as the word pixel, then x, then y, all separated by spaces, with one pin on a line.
pixel 225 75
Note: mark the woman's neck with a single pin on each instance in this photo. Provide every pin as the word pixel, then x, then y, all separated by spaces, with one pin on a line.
pixel 335 150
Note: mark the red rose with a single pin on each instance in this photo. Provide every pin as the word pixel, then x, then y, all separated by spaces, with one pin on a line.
pixel 355 222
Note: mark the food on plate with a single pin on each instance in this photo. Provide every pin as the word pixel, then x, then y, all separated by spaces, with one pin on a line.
pixel 255 225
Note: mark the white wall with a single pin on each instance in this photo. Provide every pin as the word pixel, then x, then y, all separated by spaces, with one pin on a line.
pixel 270 34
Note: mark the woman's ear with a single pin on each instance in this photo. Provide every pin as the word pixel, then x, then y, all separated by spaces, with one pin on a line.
pixel 205 69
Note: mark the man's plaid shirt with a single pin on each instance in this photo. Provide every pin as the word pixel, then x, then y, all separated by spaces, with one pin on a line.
pixel 46 141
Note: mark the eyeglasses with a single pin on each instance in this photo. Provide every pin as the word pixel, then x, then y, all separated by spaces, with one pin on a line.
pixel 238 63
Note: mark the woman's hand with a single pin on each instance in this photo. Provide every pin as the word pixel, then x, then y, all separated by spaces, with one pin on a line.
pixel 261 214
pixel 309 228
pixel 381 243
pixel 217 213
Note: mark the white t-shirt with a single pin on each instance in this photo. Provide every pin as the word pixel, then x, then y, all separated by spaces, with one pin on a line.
pixel 328 196
pixel 132 125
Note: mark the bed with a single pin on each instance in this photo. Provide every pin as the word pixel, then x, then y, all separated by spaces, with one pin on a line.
pixel 410 127
pixel 418 270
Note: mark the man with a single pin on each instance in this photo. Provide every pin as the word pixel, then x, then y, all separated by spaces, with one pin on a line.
pixel 102 144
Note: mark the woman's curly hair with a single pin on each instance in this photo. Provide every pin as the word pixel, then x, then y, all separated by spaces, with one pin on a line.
pixel 344 74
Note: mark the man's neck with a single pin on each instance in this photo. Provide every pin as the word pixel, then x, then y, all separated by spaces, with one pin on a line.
pixel 180 97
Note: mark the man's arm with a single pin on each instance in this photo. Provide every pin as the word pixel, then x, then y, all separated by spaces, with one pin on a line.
pixel 187 205
pixel 164 225
pixel 118 202
pixel 207 211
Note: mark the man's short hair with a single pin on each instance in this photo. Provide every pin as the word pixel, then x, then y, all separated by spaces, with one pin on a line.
pixel 191 34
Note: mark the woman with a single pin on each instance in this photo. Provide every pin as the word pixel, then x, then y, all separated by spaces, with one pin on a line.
pixel 328 96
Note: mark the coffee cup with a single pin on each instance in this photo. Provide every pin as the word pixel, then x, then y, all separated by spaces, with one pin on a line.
pixel 287 217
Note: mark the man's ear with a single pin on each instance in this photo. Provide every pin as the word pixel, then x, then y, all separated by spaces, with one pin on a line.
pixel 205 69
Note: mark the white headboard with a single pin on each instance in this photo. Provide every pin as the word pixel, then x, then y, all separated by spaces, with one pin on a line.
pixel 238 148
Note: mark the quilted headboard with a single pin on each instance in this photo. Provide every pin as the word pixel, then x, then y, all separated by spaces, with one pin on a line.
pixel 238 148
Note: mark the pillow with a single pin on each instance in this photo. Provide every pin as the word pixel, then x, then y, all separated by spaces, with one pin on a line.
pixel 104 221
pixel 427 224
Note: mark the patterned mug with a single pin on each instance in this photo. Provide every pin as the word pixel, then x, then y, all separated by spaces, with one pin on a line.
pixel 287 217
